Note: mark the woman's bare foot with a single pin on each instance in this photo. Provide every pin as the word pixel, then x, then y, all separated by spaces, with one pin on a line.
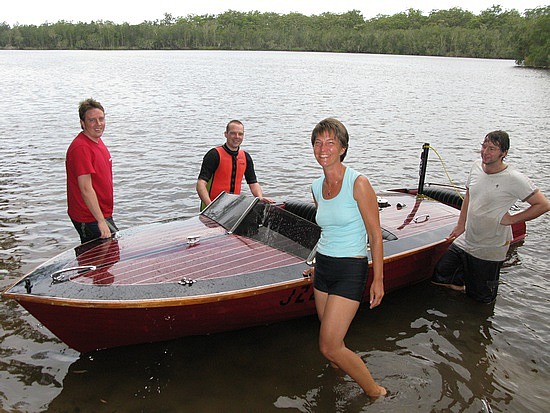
pixel 381 392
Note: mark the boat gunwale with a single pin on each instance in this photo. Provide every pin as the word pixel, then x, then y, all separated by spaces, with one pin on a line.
pixel 191 300
pixel 158 302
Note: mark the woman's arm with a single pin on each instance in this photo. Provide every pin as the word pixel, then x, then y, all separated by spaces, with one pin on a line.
pixel 368 206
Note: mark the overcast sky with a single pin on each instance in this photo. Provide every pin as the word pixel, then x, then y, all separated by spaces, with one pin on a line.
pixel 137 11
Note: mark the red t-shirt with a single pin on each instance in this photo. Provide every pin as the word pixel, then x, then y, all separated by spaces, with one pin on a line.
pixel 84 157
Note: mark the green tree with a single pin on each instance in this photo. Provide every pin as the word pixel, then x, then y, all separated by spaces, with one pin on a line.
pixel 532 39
pixel 455 17
pixel 494 33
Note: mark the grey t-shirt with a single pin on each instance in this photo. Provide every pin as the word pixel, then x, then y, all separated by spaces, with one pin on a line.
pixel 491 196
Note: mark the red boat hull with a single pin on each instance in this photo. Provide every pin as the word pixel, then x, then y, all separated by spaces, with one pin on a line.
pixel 137 291
pixel 127 324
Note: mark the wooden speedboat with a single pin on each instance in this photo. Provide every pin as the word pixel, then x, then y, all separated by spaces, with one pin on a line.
pixel 237 264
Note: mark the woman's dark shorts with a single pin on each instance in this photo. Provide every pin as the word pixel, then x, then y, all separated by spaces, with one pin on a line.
pixel 346 277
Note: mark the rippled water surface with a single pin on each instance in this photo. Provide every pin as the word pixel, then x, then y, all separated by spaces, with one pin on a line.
pixel 434 350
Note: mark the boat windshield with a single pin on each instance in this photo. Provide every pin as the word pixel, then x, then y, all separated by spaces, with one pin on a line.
pixel 266 223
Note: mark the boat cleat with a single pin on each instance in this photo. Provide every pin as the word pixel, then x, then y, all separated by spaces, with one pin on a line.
pixel 193 240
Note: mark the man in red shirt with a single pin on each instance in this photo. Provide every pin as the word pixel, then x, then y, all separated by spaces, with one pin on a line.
pixel 90 196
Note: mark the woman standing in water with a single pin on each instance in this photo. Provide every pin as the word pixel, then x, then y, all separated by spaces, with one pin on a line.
pixel 347 210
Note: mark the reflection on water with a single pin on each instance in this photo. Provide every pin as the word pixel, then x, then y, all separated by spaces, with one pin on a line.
pixel 452 342
pixel 212 373
pixel 434 350
pixel 106 250
pixel 430 361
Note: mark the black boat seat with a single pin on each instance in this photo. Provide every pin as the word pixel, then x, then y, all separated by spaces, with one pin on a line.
pixel 303 209
pixel 307 211
pixel 444 195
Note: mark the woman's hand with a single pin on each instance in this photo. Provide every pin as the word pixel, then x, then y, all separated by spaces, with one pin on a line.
pixel 309 272
pixel 376 292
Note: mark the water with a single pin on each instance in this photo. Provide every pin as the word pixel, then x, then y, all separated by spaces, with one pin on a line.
pixel 434 350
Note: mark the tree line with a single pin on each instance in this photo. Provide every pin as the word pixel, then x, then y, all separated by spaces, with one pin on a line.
pixel 494 33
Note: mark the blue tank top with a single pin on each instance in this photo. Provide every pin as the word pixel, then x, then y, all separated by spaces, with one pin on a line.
pixel 343 232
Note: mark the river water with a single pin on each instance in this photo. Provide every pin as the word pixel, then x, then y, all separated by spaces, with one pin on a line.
pixel 435 350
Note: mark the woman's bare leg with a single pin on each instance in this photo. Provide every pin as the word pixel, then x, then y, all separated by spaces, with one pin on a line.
pixel 336 314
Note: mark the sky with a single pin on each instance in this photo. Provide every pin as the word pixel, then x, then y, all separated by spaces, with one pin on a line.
pixel 38 12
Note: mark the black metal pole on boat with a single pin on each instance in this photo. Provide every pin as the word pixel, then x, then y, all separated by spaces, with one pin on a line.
pixel 423 165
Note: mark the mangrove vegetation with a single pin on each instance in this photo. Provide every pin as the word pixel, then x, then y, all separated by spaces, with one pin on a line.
pixel 494 33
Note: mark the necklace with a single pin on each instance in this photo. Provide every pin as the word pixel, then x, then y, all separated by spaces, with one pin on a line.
pixel 335 186
pixel 329 191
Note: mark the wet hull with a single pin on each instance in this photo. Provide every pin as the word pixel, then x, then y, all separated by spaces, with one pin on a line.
pixel 152 284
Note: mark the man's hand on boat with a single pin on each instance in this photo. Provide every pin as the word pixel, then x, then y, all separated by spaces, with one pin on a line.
pixel 309 272
pixel 104 229
pixel 456 232
pixel 268 200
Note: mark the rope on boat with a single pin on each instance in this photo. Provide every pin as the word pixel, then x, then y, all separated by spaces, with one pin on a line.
pixel 453 186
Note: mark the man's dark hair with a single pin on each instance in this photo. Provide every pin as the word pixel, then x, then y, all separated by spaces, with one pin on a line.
pixel 233 121
pixel 86 105
pixel 499 138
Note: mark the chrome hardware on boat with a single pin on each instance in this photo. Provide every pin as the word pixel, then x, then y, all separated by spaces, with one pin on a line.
pixel 58 276
pixel 382 202
pixel 186 281
pixel 421 218
pixel 193 240
pixel 28 285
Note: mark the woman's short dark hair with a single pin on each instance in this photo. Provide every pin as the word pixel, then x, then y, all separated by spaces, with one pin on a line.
pixel 335 127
